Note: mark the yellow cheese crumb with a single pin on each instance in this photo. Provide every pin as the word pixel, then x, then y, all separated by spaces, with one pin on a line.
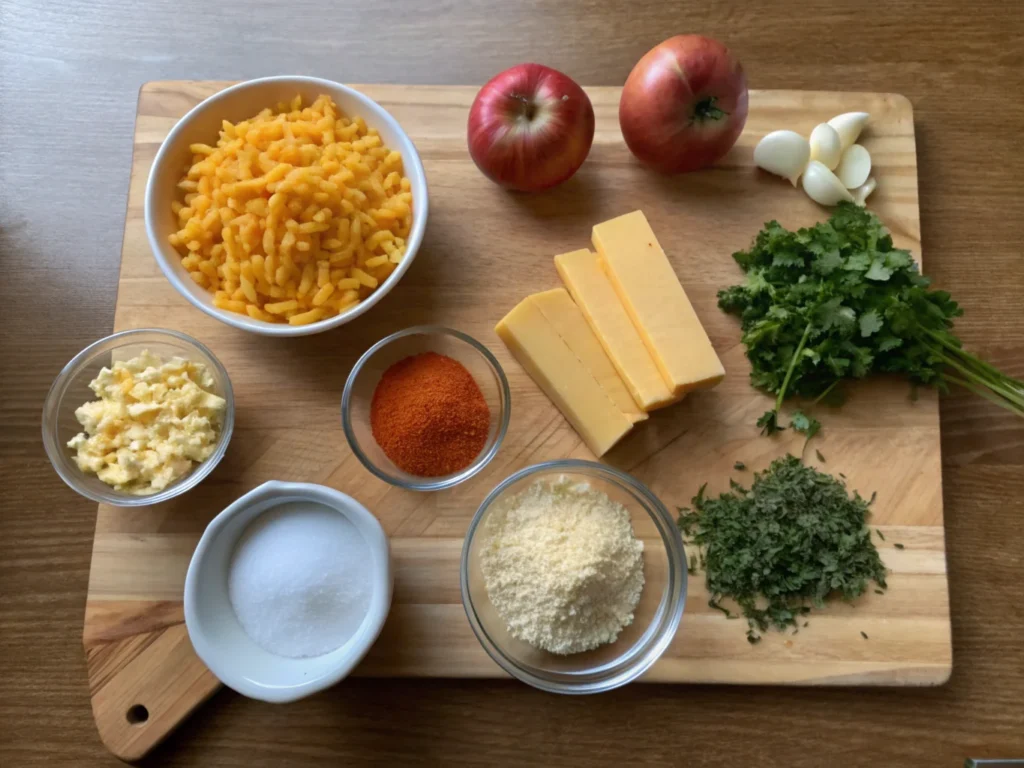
pixel 153 420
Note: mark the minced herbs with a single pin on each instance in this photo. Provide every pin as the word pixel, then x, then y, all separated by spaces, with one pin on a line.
pixel 792 541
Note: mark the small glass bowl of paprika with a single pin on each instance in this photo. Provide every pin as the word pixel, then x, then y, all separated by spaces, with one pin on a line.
pixel 426 408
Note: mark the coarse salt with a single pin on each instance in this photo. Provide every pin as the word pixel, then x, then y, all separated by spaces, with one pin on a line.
pixel 299 580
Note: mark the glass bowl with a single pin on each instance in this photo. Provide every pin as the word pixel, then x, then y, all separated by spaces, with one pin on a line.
pixel 71 389
pixel 656 617
pixel 365 375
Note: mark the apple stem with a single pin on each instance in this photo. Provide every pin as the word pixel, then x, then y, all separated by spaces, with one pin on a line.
pixel 705 109
pixel 527 108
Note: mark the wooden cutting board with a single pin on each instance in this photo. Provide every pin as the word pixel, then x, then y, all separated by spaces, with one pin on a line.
pixel 485 249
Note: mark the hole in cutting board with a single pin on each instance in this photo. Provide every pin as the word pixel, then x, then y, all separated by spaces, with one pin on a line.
pixel 137 715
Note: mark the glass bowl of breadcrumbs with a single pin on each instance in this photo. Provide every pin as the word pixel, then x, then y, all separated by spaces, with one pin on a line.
pixel 550 568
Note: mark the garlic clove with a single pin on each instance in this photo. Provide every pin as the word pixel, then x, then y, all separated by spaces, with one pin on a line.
pixel 784 153
pixel 849 125
pixel 822 186
pixel 826 147
pixel 854 166
pixel 861 193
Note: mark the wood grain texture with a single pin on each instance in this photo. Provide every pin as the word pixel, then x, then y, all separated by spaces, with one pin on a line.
pixel 881 440
pixel 83 62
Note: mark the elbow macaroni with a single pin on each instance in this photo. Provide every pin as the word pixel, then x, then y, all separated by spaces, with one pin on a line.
pixel 295 215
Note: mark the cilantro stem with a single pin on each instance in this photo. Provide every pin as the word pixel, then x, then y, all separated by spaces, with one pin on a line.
pixel 959 351
pixel 824 394
pixel 792 365
pixel 998 387
pixel 981 391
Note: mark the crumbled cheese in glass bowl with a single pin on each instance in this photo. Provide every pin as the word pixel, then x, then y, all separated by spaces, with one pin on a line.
pixel 153 421
pixel 138 417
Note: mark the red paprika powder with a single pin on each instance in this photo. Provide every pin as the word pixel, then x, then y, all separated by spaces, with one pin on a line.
pixel 429 416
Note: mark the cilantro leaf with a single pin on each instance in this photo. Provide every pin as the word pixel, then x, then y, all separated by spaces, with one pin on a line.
pixel 804 424
pixel 896 260
pixel 828 262
pixel 885 343
pixel 870 322
pixel 878 271
pixel 858 262
pixel 787 259
pixel 832 314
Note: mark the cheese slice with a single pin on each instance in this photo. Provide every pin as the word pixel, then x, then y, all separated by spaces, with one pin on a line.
pixel 648 288
pixel 596 298
pixel 565 317
pixel 564 379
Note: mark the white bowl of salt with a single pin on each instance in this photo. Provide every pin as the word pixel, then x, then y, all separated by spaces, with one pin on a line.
pixel 287 590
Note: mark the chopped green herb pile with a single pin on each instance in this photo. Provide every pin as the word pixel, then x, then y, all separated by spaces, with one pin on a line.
pixel 837 301
pixel 793 540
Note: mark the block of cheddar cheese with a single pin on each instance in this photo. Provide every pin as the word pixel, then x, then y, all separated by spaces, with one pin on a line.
pixel 649 290
pixel 594 295
pixel 568 322
pixel 563 377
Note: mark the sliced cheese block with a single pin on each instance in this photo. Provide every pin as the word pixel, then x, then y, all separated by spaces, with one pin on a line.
pixel 564 379
pixel 648 287
pixel 566 318
pixel 596 298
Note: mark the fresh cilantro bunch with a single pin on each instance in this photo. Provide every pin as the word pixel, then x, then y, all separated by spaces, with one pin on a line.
pixel 837 301
pixel 791 541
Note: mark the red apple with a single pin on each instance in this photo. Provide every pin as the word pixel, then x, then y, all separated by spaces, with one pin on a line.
pixel 684 104
pixel 530 128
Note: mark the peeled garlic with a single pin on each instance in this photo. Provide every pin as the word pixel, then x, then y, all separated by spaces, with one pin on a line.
pixel 822 186
pixel 784 153
pixel 826 146
pixel 849 125
pixel 854 166
pixel 860 194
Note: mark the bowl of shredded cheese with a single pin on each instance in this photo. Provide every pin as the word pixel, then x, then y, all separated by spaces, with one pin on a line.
pixel 573 576
pixel 286 206
pixel 138 417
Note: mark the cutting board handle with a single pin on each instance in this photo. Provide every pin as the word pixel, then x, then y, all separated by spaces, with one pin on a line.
pixel 143 686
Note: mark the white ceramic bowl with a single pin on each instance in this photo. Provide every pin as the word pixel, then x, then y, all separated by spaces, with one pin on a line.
pixel 237 103
pixel 213 627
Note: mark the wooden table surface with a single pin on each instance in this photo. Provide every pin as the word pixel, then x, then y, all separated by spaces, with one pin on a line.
pixel 69 75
